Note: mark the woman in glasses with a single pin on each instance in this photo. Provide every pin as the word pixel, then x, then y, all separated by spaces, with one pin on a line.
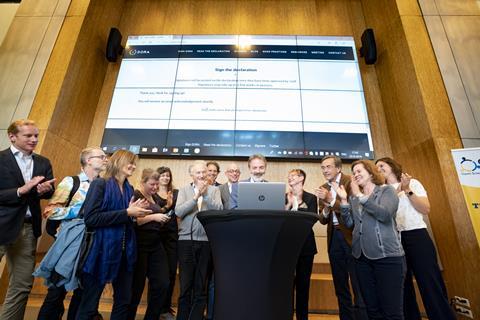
pixel 299 200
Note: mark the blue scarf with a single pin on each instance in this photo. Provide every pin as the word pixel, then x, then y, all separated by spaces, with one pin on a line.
pixel 105 257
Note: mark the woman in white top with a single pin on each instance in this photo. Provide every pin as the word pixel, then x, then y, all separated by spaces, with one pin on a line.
pixel 419 250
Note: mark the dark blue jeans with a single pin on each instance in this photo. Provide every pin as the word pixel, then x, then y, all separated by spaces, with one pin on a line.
pixel 343 270
pixel 122 293
pixel 381 283
pixel 52 307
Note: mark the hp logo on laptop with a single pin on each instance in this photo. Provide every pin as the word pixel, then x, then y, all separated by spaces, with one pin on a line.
pixel 261 197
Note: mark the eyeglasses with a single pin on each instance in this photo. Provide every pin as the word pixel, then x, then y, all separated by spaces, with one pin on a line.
pixel 233 171
pixel 103 157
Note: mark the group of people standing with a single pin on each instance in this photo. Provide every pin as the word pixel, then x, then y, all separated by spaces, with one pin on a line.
pixel 378 239
pixel 111 233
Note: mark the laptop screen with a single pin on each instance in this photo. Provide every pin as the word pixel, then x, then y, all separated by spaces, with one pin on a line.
pixel 265 196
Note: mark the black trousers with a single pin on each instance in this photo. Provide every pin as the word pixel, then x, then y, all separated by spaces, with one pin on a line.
pixel 344 274
pixel 422 263
pixel 303 272
pixel 195 266
pixel 122 288
pixel 52 307
pixel 151 263
pixel 381 282
pixel 169 239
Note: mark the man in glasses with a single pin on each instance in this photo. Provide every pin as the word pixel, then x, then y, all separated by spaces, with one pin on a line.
pixel 64 206
pixel 233 175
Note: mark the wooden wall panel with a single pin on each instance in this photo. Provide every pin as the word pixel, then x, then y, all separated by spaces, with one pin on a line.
pixel 373 97
pixel 37 8
pixel 458 7
pixel 67 100
pixel 463 34
pixel 17 56
pixel 47 94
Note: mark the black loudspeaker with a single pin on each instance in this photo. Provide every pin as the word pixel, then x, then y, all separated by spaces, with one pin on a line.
pixel 114 46
pixel 369 49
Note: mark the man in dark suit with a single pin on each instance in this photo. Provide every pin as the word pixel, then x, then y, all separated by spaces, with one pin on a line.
pixel 233 174
pixel 25 178
pixel 339 240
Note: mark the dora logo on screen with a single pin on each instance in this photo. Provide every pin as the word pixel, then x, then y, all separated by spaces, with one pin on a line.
pixel 468 166
pixel 134 52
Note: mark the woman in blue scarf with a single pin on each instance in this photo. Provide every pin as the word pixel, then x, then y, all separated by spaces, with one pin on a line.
pixel 108 212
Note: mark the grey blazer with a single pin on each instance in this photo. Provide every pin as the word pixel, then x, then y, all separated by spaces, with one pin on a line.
pixel 225 195
pixel 186 209
pixel 375 231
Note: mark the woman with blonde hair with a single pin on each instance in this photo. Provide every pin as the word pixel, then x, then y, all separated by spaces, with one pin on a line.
pixel 152 262
pixel 109 211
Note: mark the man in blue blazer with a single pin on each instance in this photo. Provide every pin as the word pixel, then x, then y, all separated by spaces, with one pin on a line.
pixel 25 178
pixel 257 165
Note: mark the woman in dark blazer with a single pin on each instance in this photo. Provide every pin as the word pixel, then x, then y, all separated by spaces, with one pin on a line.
pixel 299 200
pixel 380 261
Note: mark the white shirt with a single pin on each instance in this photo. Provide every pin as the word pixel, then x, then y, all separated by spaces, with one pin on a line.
pixel 326 210
pixel 199 200
pixel 25 163
pixel 408 218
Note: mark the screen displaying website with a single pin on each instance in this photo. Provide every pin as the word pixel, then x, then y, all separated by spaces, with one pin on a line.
pixel 282 96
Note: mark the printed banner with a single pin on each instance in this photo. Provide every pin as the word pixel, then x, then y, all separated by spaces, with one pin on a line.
pixel 467 163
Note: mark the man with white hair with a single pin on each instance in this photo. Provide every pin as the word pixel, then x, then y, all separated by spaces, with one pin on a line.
pixel 233 175
pixel 193 247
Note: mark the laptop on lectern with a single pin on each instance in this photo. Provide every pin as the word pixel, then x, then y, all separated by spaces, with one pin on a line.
pixel 262 195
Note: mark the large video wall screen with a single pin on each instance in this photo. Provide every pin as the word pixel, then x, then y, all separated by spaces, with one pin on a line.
pixel 225 96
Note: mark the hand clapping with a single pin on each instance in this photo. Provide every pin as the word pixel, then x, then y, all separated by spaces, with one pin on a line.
pixel 46 186
pixel 42 187
pixel 340 190
pixel 202 187
pixel 355 187
pixel 138 208
pixel 321 193
pixel 405 181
